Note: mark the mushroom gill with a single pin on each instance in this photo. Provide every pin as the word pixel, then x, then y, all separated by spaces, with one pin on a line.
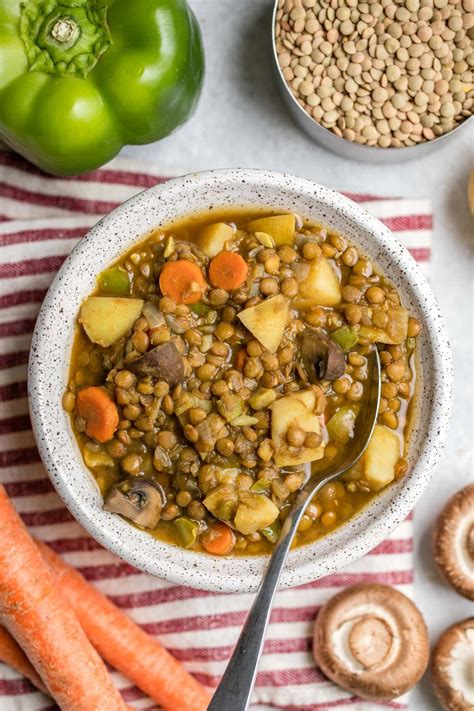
pixel 371 640
pixel 453 667
pixel 138 499
pixel 454 542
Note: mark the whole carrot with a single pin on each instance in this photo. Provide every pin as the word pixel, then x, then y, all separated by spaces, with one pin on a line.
pixel 36 614
pixel 13 655
pixel 124 645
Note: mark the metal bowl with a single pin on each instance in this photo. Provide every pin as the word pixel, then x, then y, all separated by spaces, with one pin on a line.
pixel 351 149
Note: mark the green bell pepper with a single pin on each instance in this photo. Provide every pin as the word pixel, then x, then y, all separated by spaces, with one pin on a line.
pixel 346 337
pixel 114 281
pixel 341 425
pixel 81 78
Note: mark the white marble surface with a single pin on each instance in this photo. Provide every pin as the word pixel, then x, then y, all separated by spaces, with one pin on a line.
pixel 242 122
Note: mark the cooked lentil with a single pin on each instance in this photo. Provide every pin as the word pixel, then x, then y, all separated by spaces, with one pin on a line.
pixel 201 419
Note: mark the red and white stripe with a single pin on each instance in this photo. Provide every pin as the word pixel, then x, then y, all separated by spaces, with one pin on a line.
pixel 41 219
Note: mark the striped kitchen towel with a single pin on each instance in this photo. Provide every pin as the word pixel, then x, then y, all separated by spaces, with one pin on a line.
pixel 41 219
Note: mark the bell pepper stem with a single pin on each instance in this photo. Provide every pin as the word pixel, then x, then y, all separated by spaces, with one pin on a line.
pixel 65 30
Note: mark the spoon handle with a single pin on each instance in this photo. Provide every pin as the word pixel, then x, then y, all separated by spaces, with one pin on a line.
pixel 236 685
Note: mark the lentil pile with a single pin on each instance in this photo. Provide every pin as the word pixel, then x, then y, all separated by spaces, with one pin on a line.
pixel 381 73
pixel 217 361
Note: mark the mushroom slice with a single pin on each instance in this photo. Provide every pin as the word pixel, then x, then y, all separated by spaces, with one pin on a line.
pixel 454 542
pixel 323 359
pixel 164 362
pixel 371 640
pixel 452 667
pixel 139 500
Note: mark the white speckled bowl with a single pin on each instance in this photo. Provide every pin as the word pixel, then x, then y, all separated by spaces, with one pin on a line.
pixel 51 350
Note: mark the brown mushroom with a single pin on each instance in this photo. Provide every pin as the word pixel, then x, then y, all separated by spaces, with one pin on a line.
pixel 164 362
pixel 454 542
pixel 452 667
pixel 323 359
pixel 139 500
pixel 371 640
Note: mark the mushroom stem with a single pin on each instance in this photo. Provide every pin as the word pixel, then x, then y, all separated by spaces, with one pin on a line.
pixel 452 668
pixel 371 640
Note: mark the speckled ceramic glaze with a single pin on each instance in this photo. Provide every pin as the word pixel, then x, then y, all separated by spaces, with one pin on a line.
pixel 51 351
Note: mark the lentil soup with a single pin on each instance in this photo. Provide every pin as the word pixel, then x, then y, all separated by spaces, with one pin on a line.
pixel 223 358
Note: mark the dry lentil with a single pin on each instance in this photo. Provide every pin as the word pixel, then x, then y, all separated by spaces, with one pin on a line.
pixel 385 46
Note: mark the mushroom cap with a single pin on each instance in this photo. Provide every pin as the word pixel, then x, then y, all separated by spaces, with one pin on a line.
pixel 454 542
pixel 138 499
pixel 452 668
pixel 371 640
pixel 323 359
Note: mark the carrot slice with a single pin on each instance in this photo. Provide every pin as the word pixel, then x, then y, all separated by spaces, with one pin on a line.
pixel 126 646
pixel 36 614
pixel 13 655
pixel 240 358
pixel 218 539
pixel 183 281
pixel 100 413
pixel 228 270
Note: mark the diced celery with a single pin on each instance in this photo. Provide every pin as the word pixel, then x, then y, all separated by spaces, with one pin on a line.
pixel 346 337
pixel 200 309
pixel 341 425
pixel 272 532
pixel 187 530
pixel 262 486
pixel 244 421
pixel 230 406
pixel 185 402
pixel 262 398
pixel 114 281
pixel 222 501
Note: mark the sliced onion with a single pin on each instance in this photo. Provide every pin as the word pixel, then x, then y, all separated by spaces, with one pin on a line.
pixel 154 317
pixel 175 324
pixel 301 271
pixel 298 221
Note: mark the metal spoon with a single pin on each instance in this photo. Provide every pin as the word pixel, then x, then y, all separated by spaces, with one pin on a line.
pixel 235 689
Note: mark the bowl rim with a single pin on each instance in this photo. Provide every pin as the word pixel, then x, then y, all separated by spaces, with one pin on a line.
pixel 185 567
pixel 403 153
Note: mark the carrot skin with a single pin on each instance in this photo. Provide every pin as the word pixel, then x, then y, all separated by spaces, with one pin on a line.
pixel 36 614
pixel 13 655
pixel 124 645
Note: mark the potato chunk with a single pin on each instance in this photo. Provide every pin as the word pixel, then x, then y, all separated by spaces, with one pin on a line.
pixel 295 410
pixel 321 286
pixel 267 321
pixel 280 227
pixel 380 458
pixel 212 238
pixel 255 511
pixel 106 318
